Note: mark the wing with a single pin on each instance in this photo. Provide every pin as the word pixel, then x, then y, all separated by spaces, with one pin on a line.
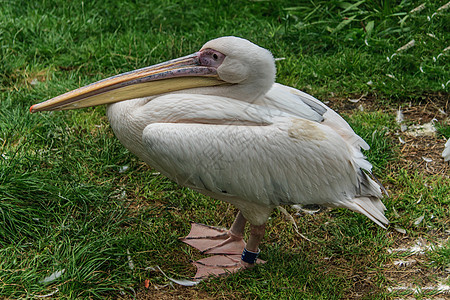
pixel 295 102
pixel 300 104
pixel 284 99
pixel 283 160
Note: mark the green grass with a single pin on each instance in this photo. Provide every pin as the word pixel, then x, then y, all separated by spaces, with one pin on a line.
pixel 443 129
pixel 66 205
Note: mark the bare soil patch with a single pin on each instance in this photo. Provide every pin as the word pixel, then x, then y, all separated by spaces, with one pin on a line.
pixel 423 154
pixel 420 153
pixel 411 273
pixel 166 293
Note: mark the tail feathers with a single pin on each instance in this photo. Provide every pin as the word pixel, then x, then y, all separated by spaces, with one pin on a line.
pixel 361 160
pixel 352 138
pixel 367 201
pixel 371 207
pixel 383 189
pixel 368 187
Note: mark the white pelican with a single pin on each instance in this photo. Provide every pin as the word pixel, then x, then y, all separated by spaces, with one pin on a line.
pixel 446 152
pixel 216 121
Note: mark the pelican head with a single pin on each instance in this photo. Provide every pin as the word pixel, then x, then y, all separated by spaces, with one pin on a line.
pixel 226 66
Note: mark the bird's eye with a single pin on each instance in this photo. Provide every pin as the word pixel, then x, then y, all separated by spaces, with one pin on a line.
pixel 210 58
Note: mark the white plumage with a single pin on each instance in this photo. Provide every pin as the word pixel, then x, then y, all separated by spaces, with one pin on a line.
pixel 246 140
pixel 250 155
pixel 446 152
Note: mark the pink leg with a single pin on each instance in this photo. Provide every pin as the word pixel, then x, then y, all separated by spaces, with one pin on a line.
pixel 213 240
pixel 252 248
pixel 218 265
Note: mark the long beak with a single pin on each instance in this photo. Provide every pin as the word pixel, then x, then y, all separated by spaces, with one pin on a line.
pixel 174 75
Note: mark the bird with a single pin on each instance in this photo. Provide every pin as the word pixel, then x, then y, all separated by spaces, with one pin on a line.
pixel 217 122
pixel 446 152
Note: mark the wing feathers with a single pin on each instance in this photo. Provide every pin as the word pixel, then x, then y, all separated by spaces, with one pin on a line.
pixel 297 152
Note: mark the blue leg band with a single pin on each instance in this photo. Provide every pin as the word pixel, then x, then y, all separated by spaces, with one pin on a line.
pixel 249 257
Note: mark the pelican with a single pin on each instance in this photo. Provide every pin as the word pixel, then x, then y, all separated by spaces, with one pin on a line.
pixel 215 121
pixel 446 152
